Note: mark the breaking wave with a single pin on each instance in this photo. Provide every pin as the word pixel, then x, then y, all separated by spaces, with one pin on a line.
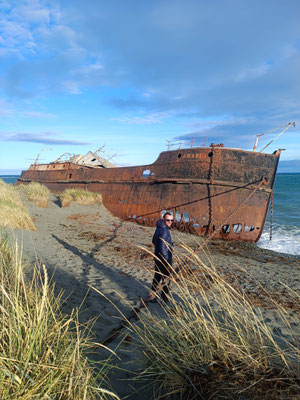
pixel 285 239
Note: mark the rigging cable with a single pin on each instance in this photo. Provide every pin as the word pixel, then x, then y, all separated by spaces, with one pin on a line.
pixel 271 216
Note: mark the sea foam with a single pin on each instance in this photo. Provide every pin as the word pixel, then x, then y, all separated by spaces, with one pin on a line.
pixel 285 239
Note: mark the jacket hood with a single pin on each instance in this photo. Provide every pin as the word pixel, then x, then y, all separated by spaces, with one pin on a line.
pixel 160 224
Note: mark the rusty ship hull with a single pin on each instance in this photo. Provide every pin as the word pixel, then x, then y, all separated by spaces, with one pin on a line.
pixel 218 192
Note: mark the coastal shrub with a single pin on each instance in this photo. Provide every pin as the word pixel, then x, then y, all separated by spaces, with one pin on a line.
pixel 13 213
pixel 80 196
pixel 36 193
pixel 212 343
pixel 43 353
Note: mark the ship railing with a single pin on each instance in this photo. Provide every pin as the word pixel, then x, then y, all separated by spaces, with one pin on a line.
pixel 64 158
pixel 186 143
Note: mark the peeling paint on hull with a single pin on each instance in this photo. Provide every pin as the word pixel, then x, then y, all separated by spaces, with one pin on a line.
pixel 220 191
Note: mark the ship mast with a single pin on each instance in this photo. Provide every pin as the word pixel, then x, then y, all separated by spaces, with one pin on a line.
pixel 36 160
pixel 286 127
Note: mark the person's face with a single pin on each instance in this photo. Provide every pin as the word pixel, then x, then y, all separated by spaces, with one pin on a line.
pixel 168 220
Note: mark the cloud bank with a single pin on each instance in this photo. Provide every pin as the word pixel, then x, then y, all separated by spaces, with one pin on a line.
pixel 223 69
pixel 43 138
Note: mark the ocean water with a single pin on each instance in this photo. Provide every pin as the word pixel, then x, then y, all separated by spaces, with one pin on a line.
pixel 286 214
pixel 11 179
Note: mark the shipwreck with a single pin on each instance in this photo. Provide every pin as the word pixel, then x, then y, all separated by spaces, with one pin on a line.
pixel 210 190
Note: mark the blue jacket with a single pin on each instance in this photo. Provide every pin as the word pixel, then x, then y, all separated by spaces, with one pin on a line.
pixel 163 244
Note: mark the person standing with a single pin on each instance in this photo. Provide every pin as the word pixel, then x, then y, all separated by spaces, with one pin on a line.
pixel 163 258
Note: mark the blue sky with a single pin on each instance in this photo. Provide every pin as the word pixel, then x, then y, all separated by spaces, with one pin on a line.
pixel 132 74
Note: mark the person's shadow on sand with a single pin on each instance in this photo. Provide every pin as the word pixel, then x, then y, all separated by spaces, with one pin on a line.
pixel 113 237
pixel 127 285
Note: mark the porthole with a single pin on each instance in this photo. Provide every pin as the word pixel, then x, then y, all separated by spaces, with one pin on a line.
pixel 226 228
pixel 237 228
pixel 146 172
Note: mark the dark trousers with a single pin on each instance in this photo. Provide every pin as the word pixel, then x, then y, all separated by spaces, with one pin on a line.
pixel 161 281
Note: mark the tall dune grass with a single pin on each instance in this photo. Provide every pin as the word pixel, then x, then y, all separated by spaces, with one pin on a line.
pixel 43 354
pixel 80 196
pixel 13 213
pixel 36 193
pixel 213 344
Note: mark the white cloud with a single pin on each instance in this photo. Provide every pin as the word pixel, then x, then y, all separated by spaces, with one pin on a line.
pixel 32 12
pixel 290 50
pixel 14 33
pixel 150 93
pixel 87 69
pixel 19 25
pixel 37 114
pixel 72 87
pixel 155 118
pixel 57 37
pixel 252 73
pixel 51 138
pixel 6 109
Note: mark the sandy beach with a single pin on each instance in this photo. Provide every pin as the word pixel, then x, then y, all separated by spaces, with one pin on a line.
pixel 85 246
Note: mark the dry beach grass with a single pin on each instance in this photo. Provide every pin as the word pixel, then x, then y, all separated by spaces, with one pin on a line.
pixel 36 193
pixel 43 351
pixel 79 196
pixel 214 344
pixel 235 305
pixel 13 212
